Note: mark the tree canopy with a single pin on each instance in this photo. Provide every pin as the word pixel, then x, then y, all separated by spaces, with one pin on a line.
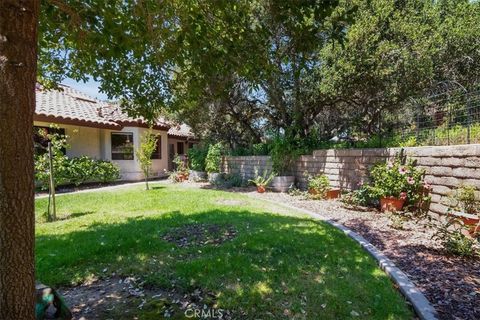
pixel 240 71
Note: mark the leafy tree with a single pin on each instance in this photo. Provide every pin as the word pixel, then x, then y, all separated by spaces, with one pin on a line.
pixel 197 156
pixel 262 78
pixel 148 144
pixel 213 160
pixel 393 51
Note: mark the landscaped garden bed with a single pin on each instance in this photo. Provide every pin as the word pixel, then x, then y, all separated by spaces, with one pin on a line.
pixel 450 283
pixel 155 254
pixel 390 210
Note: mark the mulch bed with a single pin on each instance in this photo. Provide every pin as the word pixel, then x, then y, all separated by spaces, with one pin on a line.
pixel 200 234
pixel 450 283
pixel 127 297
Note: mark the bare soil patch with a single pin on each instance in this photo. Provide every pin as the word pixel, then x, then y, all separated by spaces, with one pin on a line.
pixel 125 298
pixel 200 234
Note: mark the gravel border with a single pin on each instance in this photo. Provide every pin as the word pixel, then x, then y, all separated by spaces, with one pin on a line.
pixel 422 306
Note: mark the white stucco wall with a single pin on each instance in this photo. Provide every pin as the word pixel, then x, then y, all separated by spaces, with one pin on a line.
pixel 130 169
pixel 96 143
pixel 83 141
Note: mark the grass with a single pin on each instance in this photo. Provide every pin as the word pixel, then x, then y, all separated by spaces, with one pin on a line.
pixel 277 264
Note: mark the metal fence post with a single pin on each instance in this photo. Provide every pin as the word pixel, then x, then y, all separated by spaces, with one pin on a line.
pixel 449 123
pixel 469 118
pixel 417 129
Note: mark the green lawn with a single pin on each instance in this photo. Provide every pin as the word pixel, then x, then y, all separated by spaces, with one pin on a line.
pixel 276 262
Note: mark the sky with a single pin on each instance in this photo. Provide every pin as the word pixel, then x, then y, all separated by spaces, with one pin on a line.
pixel 90 88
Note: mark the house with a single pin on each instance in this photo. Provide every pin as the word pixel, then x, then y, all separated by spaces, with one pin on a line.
pixel 101 130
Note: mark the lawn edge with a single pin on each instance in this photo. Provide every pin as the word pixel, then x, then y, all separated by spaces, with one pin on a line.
pixel 421 305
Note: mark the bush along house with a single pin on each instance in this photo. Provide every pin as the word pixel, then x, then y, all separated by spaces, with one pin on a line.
pixel 100 130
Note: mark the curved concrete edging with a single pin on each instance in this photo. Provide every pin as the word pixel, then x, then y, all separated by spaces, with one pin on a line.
pixel 421 305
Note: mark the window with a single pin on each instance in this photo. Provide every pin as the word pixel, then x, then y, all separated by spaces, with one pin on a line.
pixel 122 146
pixel 41 139
pixel 180 148
pixel 157 154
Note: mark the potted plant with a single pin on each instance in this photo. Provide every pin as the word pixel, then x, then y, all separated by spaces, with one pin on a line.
pixel 262 181
pixel 196 162
pixel 465 206
pixel 213 162
pixel 396 183
pixel 181 169
pixel 319 186
pixel 283 156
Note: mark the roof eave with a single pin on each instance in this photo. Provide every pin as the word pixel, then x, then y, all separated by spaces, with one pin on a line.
pixel 78 122
pixel 142 124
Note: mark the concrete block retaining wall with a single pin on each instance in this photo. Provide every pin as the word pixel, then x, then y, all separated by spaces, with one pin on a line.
pixel 246 166
pixel 446 167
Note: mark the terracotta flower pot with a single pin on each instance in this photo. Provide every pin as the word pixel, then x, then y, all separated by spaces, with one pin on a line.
pixel 391 204
pixel 260 189
pixel 182 177
pixel 332 194
pixel 472 222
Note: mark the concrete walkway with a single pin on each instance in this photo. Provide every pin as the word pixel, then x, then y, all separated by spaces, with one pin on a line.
pixel 106 188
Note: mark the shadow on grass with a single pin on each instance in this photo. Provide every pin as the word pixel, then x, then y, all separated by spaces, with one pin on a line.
pixel 276 266
pixel 220 187
pixel 157 187
pixel 75 215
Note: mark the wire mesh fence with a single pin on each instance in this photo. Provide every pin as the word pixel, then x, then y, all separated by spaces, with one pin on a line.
pixel 447 118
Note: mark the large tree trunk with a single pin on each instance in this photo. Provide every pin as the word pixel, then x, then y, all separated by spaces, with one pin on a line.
pixel 18 59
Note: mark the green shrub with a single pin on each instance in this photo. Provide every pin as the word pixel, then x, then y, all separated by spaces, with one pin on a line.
pixel 283 154
pixel 70 170
pixel 466 199
pixel 232 180
pixel 454 240
pixel 180 167
pixel 107 171
pixel 319 183
pixel 196 157
pixel 396 178
pixel 74 170
pixel 360 197
pixel 214 158
pixel 262 180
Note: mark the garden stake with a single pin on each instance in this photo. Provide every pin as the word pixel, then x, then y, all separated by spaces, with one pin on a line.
pixel 53 216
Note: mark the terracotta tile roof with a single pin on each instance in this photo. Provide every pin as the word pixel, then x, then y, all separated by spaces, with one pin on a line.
pixel 114 113
pixel 182 131
pixel 70 106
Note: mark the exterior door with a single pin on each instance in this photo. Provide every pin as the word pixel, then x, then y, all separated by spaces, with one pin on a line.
pixel 171 155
